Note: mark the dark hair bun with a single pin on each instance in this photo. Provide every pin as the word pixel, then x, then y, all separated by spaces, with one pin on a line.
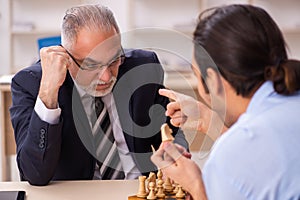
pixel 285 77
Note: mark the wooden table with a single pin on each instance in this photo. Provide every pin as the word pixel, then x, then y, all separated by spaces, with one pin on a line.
pixel 73 190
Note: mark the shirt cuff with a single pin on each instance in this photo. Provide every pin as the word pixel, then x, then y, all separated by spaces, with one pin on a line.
pixel 50 116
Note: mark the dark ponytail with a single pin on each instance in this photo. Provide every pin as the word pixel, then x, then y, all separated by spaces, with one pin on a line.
pixel 285 76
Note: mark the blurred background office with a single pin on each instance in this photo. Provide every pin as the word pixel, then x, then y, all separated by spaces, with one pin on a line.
pixel 165 26
pixel 22 22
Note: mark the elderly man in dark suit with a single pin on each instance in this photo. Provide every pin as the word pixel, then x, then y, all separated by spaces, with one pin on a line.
pixel 88 109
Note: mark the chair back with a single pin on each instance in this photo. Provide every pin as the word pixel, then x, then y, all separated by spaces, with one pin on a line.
pixel 48 41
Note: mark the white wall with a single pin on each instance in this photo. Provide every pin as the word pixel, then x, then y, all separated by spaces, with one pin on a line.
pixel 4 38
pixel 130 14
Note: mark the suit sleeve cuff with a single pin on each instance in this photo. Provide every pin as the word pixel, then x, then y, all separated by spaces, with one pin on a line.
pixel 50 116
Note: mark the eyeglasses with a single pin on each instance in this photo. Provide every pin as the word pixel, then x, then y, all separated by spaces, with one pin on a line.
pixel 93 66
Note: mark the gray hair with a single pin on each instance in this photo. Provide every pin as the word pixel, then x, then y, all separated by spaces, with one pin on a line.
pixel 93 17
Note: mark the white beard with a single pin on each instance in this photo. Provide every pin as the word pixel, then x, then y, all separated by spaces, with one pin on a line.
pixel 91 89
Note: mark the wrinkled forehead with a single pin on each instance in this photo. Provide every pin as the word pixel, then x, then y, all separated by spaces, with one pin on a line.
pixel 106 49
pixel 97 44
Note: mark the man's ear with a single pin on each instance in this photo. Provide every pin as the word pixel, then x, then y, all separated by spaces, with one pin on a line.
pixel 214 82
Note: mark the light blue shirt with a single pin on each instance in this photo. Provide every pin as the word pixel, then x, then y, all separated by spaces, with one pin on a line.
pixel 259 156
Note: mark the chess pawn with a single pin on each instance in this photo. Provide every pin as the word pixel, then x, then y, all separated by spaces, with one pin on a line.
pixel 151 191
pixel 175 188
pixel 160 190
pixel 168 185
pixel 159 175
pixel 180 194
pixel 142 187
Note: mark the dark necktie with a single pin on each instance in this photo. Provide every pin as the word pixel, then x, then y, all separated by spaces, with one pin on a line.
pixel 106 150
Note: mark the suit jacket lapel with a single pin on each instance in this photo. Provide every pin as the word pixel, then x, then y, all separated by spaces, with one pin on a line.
pixel 81 121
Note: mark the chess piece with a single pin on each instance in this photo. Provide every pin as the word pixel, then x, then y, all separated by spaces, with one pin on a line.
pixel 168 185
pixel 180 194
pixel 153 149
pixel 175 188
pixel 142 187
pixel 166 133
pixel 160 190
pixel 152 178
pixel 151 191
pixel 159 175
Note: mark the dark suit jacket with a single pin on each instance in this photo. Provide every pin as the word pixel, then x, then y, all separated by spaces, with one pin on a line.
pixel 59 152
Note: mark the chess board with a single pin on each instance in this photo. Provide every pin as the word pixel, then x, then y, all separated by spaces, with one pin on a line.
pixel 168 197
pixel 154 185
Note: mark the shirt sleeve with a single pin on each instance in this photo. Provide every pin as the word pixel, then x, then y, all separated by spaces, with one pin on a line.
pixel 50 116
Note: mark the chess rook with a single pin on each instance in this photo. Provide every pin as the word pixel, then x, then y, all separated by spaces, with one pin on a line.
pixel 142 187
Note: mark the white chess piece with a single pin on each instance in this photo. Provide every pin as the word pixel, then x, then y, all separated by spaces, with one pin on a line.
pixel 180 194
pixel 160 190
pixel 152 178
pixel 166 133
pixel 168 186
pixel 159 175
pixel 152 192
pixel 142 187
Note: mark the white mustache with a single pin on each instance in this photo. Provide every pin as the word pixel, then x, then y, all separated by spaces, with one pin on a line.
pixel 99 82
pixel 90 89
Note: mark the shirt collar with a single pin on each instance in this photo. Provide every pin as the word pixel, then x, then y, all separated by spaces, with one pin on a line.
pixel 257 102
pixel 82 94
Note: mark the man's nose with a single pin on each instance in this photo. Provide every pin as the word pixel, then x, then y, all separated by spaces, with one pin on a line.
pixel 105 74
